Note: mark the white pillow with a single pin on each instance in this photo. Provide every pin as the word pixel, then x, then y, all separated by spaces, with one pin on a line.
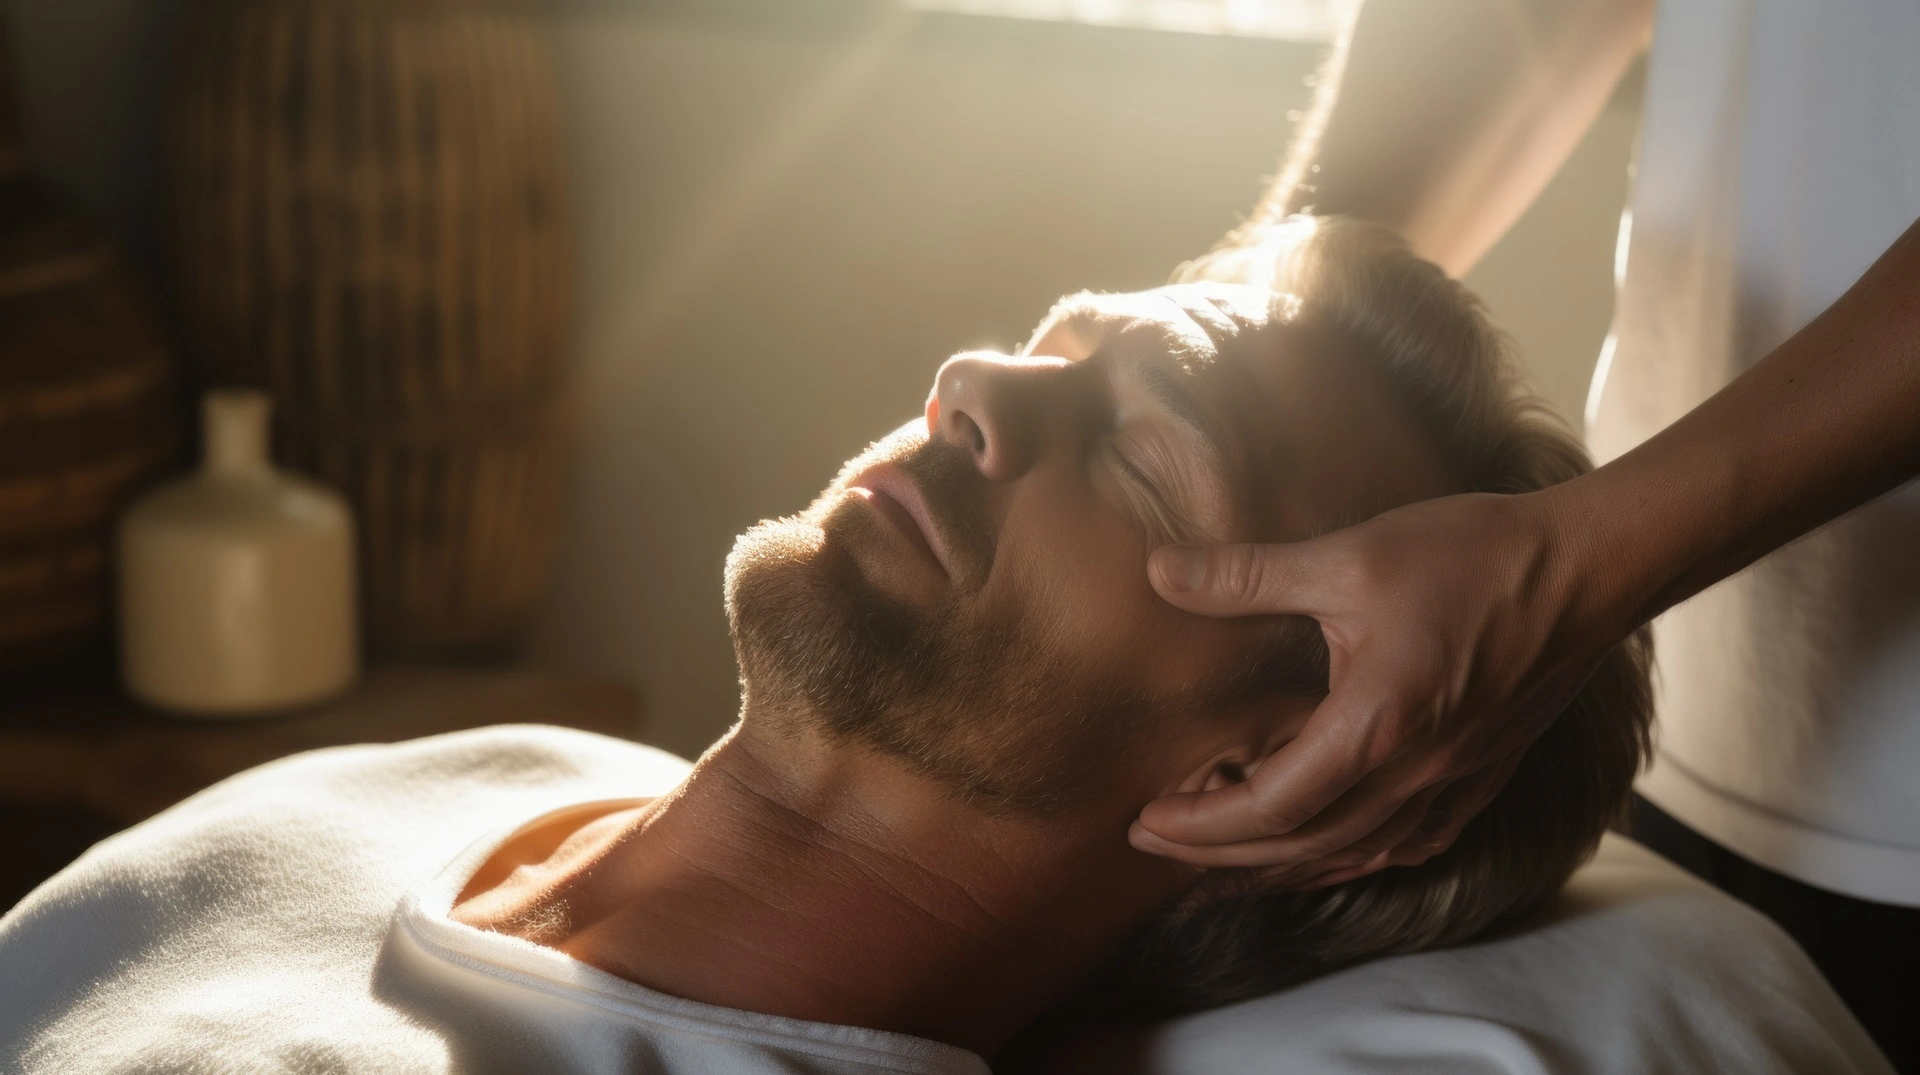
pixel 1637 968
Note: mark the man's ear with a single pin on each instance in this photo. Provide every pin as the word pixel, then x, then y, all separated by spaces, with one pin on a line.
pixel 1254 730
pixel 1221 769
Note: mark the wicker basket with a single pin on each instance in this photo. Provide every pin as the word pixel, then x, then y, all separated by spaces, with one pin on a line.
pixel 86 416
pixel 367 208
pixel 86 412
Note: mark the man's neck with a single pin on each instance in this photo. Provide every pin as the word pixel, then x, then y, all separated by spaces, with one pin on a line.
pixel 794 878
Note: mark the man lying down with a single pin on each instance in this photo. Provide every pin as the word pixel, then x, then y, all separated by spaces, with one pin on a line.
pixel 959 691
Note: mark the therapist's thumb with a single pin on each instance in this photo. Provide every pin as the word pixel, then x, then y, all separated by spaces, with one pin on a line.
pixel 1236 580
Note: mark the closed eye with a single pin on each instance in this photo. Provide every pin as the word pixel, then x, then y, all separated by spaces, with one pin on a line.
pixel 1145 498
pixel 1163 446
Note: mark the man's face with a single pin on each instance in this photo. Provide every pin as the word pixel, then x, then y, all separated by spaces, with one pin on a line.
pixel 970 594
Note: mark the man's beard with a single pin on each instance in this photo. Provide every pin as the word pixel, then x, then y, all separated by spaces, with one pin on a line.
pixel 961 697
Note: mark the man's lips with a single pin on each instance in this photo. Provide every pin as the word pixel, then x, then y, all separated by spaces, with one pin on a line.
pixel 894 495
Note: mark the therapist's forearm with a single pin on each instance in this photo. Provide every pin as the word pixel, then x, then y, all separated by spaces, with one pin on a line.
pixel 1826 422
pixel 1444 119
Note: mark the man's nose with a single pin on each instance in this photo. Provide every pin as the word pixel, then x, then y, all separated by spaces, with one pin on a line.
pixel 995 406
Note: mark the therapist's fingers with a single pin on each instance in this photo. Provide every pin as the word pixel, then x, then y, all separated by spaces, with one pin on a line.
pixel 1451 812
pixel 1368 853
pixel 1328 844
pixel 1361 857
pixel 1427 826
pixel 1243 853
pixel 1375 815
pixel 1243 580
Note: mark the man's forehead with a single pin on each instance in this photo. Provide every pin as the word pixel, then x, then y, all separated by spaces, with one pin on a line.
pixel 1191 321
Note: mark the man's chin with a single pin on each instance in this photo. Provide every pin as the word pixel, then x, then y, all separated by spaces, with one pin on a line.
pixel 767 552
pixel 792 554
pixel 792 557
pixel 815 643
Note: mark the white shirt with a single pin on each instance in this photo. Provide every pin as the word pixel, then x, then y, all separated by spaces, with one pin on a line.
pixel 294 919
pixel 1780 155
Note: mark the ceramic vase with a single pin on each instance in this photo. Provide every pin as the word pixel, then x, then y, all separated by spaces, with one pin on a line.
pixel 237 586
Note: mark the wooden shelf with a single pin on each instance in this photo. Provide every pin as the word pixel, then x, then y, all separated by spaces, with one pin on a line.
pixel 94 749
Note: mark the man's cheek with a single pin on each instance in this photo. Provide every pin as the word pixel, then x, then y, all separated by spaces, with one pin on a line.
pixel 1089 602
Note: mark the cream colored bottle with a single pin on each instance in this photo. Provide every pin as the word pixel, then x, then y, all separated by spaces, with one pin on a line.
pixel 237 588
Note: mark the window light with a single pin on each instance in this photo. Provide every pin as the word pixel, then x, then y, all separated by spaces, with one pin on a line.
pixel 1290 20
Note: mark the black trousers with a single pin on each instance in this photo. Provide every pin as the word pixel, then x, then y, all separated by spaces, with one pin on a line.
pixel 1870 952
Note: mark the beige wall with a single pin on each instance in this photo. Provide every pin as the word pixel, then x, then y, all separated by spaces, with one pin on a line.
pixel 786 222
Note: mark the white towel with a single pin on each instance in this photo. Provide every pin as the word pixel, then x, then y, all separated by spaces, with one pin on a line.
pixel 292 919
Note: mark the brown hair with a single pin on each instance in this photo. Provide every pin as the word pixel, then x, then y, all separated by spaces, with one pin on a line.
pixel 1231 940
